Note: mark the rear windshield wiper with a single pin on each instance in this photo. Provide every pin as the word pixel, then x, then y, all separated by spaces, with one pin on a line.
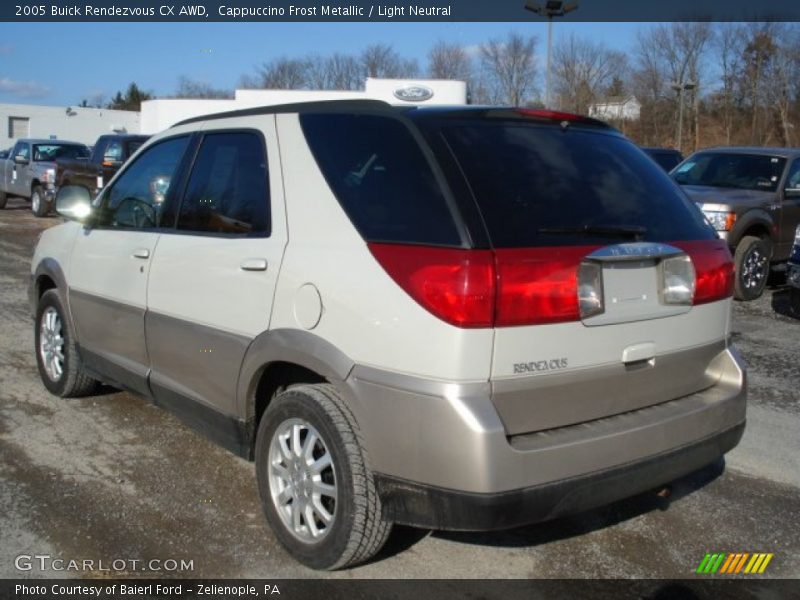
pixel 636 233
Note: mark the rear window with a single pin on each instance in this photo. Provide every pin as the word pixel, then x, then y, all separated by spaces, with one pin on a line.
pixel 665 160
pixel 50 152
pixel 727 170
pixel 381 178
pixel 543 185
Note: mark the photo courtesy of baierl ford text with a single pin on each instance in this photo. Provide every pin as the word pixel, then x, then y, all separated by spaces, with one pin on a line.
pixel 415 300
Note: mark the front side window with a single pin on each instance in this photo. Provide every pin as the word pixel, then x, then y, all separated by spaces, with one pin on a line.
pixel 228 190
pixel 22 149
pixel 113 153
pixel 793 178
pixel 136 199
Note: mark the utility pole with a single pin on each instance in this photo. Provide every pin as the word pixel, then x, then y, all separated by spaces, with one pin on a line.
pixel 681 87
pixel 550 9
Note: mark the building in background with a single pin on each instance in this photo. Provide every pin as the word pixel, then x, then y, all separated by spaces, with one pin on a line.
pixel 617 108
pixel 62 122
pixel 87 124
pixel 162 113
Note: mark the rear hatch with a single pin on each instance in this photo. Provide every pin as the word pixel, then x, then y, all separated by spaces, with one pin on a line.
pixel 612 293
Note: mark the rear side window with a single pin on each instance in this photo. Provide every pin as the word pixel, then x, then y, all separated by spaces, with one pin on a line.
pixel 228 191
pixel 541 185
pixel 381 178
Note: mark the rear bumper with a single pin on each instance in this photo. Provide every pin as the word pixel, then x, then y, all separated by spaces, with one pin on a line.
pixel 435 446
pixel 437 508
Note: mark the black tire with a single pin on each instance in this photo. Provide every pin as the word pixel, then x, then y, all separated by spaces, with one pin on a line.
pixel 40 208
pixel 73 381
pixel 358 530
pixel 3 200
pixel 794 301
pixel 752 267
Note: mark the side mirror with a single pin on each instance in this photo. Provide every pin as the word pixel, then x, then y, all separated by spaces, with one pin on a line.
pixel 791 193
pixel 21 160
pixel 74 202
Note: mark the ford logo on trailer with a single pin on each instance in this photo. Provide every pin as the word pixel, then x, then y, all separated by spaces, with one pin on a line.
pixel 413 93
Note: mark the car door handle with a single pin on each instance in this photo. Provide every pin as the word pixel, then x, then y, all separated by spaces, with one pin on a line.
pixel 254 264
pixel 142 253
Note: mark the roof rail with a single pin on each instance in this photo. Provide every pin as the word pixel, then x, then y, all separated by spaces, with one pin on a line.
pixel 295 107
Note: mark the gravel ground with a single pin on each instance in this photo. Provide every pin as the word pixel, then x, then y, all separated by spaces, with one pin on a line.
pixel 113 477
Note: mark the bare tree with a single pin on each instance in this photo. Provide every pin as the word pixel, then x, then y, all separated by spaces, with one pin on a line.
pixel 335 72
pixel 381 60
pixel 668 55
pixel 449 61
pixel 508 69
pixel 191 88
pixel 583 71
pixel 728 44
pixel 782 78
pixel 279 74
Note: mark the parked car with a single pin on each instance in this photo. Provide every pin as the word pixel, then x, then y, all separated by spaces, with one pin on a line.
pixel 793 275
pixel 30 170
pixel 666 158
pixel 108 155
pixel 5 153
pixel 752 198
pixel 456 318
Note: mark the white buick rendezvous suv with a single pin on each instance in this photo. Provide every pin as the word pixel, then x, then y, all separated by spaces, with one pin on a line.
pixel 452 318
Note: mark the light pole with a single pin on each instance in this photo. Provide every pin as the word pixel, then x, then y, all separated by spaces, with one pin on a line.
pixel 550 9
pixel 681 87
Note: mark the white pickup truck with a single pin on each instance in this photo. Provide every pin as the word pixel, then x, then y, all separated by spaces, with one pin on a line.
pixel 29 170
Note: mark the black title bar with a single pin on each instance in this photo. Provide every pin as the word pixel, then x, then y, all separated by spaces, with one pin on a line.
pixel 414 11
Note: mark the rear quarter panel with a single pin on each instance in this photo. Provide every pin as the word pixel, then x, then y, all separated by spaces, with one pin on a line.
pixel 365 313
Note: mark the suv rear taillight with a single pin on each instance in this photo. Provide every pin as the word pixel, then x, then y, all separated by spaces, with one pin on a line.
pixel 458 286
pixel 538 285
pixel 713 266
pixel 530 286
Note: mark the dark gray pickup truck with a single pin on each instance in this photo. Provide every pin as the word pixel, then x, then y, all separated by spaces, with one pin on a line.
pixel 108 155
pixel 752 198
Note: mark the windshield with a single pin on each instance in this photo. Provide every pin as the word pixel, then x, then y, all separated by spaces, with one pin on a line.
pixel 740 171
pixel 546 185
pixel 50 152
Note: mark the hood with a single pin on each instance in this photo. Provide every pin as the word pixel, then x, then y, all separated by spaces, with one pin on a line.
pixel 731 196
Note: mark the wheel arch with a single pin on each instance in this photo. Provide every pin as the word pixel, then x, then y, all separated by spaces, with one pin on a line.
pixel 758 223
pixel 49 275
pixel 283 357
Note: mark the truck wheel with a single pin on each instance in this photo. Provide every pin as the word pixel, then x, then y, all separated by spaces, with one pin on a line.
pixel 794 301
pixel 3 200
pixel 39 204
pixel 316 488
pixel 752 267
pixel 57 357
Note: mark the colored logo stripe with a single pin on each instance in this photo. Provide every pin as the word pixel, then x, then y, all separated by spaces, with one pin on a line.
pixel 734 563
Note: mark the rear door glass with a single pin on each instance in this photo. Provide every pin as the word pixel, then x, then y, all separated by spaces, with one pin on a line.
pixel 543 185
pixel 381 178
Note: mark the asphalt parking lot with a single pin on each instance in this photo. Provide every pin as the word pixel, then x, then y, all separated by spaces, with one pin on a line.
pixel 113 477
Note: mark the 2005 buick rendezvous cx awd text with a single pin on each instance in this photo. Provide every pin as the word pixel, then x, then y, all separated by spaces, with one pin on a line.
pixel 463 319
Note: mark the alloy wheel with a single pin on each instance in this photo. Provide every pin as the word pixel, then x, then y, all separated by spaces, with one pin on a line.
pixel 302 480
pixel 51 343
pixel 754 269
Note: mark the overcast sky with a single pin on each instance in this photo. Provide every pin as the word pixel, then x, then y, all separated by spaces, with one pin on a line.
pixel 63 63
